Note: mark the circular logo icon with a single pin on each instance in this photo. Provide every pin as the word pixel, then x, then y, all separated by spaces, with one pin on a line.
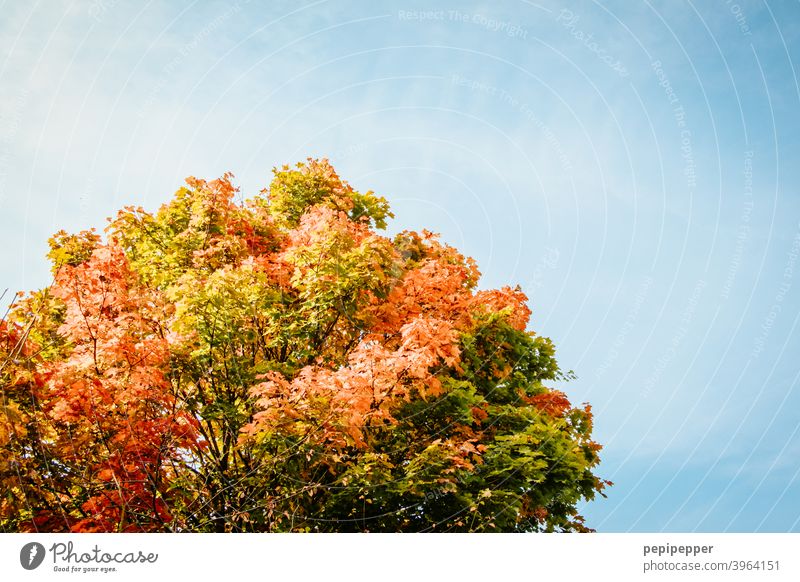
pixel 31 555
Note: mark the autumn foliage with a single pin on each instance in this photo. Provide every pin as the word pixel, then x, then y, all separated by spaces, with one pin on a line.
pixel 278 364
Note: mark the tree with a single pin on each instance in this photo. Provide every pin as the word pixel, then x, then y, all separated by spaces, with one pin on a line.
pixel 278 364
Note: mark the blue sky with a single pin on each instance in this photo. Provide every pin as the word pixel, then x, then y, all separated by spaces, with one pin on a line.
pixel 632 165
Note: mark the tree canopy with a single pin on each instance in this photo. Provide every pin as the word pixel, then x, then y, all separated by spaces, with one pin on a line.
pixel 278 364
